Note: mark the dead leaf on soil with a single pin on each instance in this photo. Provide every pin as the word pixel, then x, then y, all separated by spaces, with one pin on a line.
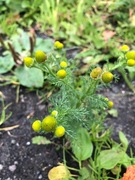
pixel 59 173
pixel 108 34
pixel 9 128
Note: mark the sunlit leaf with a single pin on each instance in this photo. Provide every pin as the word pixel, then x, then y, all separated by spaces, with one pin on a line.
pixel 108 159
pixel 6 64
pixel 30 77
pixel 82 145
pixel 123 140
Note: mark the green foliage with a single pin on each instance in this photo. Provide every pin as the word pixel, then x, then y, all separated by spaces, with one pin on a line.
pixel 107 155
pixel 15 50
pixel 108 159
pixel 81 145
pixel 123 140
pixel 101 21
pixel 40 140
pixel 30 78
pixel 3 116
pixel 6 63
pixel 82 112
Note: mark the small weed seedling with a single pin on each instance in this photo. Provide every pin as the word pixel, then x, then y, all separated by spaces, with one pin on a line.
pixel 3 116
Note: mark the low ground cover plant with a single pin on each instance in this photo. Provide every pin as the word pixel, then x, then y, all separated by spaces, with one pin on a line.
pixel 77 113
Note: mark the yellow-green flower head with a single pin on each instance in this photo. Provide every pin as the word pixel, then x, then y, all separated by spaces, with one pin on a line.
pixel 110 104
pixel 95 73
pixel 28 61
pixel 131 62
pixel 49 124
pixel 36 125
pixel 54 113
pixel 59 131
pixel 40 56
pixel 107 77
pixel 63 64
pixel 130 55
pixel 61 73
pixel 124 48
pixel 58 45
pixel 106 99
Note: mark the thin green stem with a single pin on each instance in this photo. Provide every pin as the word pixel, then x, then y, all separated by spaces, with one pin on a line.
pixel 64 156
pixel 50 71
pixel 91 90
pixel 128 82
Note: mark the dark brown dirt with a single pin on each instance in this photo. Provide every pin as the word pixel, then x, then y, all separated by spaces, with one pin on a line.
pixel 124 101
pixel 22 160
pixel 19 158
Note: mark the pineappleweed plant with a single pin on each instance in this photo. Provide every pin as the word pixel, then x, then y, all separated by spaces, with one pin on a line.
pixel 75 103
pixel 77 111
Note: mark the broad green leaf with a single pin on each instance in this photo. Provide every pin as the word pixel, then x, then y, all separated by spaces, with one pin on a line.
pixel 82 145
pixel 123 140
pixel 14 5
pixel 6 64
pixel 40 140
pixel 26 4
pixel 20 41
pixel 108 159
pixel 84 172
pixel 45 45
pixel 36 3
pixel 30 77
pixel 126 160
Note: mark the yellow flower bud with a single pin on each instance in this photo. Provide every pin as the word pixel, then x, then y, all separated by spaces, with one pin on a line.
pixel 36 126
pixel 107 77
pixel 124 48
pixel 96 72
pixel 40 56
pixel 59 131
pixel 49 123
pixel 61 73
pixel 130 55
pixel 28 61
pixel 106 99
pixel 54 113
pixel 63 64
pixel 110 104
pixel 58 45
pixel 131 62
